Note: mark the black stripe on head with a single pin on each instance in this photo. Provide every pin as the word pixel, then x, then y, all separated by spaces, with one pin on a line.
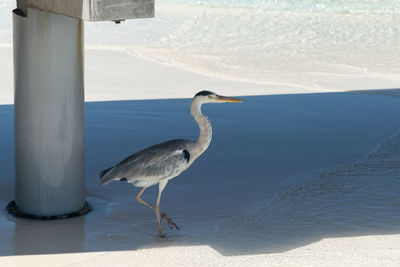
pixel 123 179
pixel 204 93
pixel 186 155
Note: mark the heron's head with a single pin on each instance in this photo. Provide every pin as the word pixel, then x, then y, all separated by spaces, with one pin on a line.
pixel 211 97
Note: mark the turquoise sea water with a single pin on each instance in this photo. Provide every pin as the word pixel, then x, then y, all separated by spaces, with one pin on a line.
pixel 309 44
pixel 296 43
pixel 375 6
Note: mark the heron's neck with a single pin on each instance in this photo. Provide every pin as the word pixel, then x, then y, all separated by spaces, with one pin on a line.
pixel 205 127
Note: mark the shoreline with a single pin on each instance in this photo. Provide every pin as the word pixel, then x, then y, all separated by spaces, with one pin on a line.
pixel 130 77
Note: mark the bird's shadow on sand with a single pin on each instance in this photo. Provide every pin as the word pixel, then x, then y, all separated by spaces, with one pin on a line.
pixel 282 172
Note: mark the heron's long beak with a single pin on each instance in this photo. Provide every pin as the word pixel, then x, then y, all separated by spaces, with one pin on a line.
pixel 228 99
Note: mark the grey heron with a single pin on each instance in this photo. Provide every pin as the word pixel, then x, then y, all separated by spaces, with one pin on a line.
pixel 160 163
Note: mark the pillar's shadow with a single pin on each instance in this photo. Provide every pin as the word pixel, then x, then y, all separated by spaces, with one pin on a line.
pixel 282 172
pixel 48 237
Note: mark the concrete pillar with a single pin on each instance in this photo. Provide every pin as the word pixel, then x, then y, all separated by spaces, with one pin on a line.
pixel 49 101
pixel 49 113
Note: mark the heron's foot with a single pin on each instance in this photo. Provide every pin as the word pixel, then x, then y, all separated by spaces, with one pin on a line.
pixel 170 222
pixel 161 235
pixel 166 237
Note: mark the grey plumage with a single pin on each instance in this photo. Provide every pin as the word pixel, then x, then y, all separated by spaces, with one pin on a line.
pixel 162 162
pixel 148 166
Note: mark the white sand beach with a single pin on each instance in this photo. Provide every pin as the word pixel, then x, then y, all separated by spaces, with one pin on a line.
pixel 304 172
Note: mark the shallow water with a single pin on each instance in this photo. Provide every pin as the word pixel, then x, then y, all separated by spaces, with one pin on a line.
pixel 313 45
pixel 349 200
pixel 375 6
pixel 310 50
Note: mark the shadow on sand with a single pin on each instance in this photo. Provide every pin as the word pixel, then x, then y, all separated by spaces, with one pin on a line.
pixel 281 172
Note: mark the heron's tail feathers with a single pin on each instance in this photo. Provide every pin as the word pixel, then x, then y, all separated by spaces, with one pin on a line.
pixel 103 172
pixel 104 178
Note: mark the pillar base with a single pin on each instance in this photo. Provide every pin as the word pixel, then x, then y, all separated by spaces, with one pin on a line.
pixel 13 209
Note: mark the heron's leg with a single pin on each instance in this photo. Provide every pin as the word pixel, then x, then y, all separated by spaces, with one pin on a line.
pixel 140 200
pixel 161 186
pixel 163 215
pixel 157 210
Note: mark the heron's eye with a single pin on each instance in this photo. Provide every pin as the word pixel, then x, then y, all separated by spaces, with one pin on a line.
pixel 212 96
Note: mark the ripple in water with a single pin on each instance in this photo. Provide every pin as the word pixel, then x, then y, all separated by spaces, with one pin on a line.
pixel 359 199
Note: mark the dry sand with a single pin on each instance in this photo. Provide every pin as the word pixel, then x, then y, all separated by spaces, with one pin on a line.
pixel 350 251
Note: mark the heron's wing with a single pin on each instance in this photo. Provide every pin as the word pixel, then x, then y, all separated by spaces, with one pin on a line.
pixel 154 163
pixel 159 167
pixel 154 153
